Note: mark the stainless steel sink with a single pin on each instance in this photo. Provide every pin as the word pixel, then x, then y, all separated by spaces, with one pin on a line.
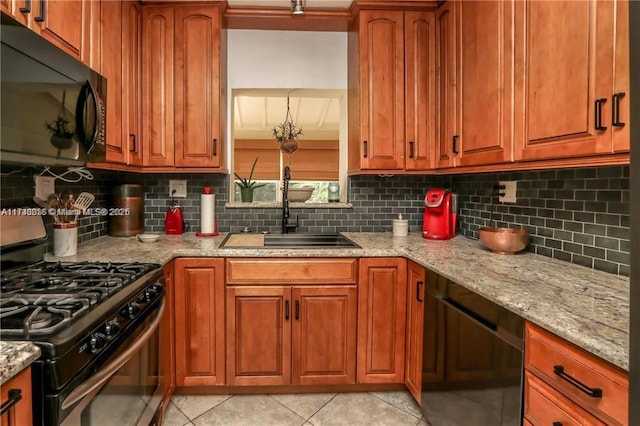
pixel 287 241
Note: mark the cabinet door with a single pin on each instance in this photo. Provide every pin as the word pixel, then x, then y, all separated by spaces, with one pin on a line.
pixel 485 72
pixel 20 413
pixel 381 320
pixel 415 329
pixel 131 124
pixel 199 302
pixel 564 74
pixel 446 86
pixel 259 335
pixel 420 119
pixel 324 335
pixel 197 87
pixel 111 67
pixel 381 61
pixel 157 89
pixel 620 99
pixel 60 21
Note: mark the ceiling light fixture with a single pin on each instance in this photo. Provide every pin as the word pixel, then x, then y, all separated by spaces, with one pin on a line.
pixel 297 7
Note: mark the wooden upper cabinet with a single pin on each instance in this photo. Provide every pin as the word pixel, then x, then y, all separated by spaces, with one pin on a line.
pixel 199 321
pixel 446 86
pixel 60 22
pixel 131 113
pixel 157 89
pixel 111 47
pixel 416 276
pixel 484 83
pixel 565 74
pixel 381 60
pixel 198 87
pixel 392 89
pixel 381 320
pixel 420 108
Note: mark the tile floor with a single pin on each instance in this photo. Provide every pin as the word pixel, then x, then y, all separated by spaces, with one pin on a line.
pixel 319 409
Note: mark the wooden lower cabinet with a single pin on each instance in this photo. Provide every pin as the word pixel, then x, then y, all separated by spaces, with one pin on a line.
pixel 381 320
pixel 20 413
pixel 303 335
pixel 416 276
pixel 199 321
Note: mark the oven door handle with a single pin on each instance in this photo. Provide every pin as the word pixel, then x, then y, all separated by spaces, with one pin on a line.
pixel 105 374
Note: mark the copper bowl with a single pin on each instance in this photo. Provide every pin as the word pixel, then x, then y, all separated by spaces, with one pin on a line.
pixel 504 240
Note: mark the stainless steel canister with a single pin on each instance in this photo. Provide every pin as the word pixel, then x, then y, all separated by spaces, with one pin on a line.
pixel 126 215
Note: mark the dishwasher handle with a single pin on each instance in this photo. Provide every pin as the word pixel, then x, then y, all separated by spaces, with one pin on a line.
pixel 474 316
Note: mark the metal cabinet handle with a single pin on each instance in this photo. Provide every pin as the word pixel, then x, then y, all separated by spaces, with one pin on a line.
pixel 615 110
pixel 215 147
pixel 297 309
pixel 411 149
pixel 134 145
pixel 40 18
pixel 365 151
pixel 592 392
pixel 418 285
pixel 556 424
pixel 15 395
pixel 286 310
pixel 27 7
pixel 455 144
pixel 598 112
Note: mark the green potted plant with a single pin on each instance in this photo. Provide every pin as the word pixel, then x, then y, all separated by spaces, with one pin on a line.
pixel 248 185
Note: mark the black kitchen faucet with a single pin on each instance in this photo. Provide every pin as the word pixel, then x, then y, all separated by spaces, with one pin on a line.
pixel 286 226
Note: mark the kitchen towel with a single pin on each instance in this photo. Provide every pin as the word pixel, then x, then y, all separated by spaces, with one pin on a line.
pixel 207 213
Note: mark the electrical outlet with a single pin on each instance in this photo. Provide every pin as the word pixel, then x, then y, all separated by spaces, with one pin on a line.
pixel 45 185
pixel 180 188
pixel 510 188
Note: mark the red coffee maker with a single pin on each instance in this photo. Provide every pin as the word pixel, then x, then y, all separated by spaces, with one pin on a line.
pixel 440 214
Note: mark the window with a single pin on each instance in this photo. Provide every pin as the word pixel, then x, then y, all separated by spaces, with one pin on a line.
pixel 316 162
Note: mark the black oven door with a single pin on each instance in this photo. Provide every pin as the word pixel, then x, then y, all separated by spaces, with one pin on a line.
pixel 128 389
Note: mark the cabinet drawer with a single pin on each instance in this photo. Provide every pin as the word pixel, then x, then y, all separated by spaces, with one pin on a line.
pixel 543 405
pixel 559 362
pixel 297 271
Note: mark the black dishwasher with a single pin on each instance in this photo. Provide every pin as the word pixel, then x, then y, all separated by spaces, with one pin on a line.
pixel 472 358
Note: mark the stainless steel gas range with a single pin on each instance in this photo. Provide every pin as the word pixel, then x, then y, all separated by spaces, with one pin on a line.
pixel 97 327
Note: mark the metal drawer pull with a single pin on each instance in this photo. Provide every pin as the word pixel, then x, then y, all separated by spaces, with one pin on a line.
pixel 556 424
pixel 15 395
pixel 455 144
pixel 297 310
pixel 615 121
pixel 365 152
pixel 40 18
pixel 418 285
pixel 215 147
pixel 598 111
pixel 134 145
pixel 27 7
pixel 592 392
pixel 286 310
pixel 411 149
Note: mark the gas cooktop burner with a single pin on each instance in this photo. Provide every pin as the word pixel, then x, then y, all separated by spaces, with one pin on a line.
pixel 45 297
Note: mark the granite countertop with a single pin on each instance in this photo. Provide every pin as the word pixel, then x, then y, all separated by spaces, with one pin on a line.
pixel 586 307
pixel 14 357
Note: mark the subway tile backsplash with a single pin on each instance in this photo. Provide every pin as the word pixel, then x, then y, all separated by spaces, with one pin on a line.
pixel 576 215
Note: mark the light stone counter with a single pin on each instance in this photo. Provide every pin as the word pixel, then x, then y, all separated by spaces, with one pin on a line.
pixel 14 357
pixel 586 307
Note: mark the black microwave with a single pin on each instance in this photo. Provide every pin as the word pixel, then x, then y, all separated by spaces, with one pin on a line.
pixel 53 106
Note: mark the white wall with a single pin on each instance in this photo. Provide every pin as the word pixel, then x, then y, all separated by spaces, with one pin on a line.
pixel 258 59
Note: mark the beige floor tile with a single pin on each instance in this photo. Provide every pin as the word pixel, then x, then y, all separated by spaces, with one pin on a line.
pixel 402 400
pixel 304 405
pixel 250 410
pixel 195 405
pixel 361 409
pixel 174 417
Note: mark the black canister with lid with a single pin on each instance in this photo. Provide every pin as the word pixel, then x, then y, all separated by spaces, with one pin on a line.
pixel 126 217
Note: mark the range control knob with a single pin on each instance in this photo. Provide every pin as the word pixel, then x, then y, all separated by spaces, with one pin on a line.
pixel 158 288
pixel 151 292
pixel 111 329
pixel 97 341
pixel 144 296
pixel 131 310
